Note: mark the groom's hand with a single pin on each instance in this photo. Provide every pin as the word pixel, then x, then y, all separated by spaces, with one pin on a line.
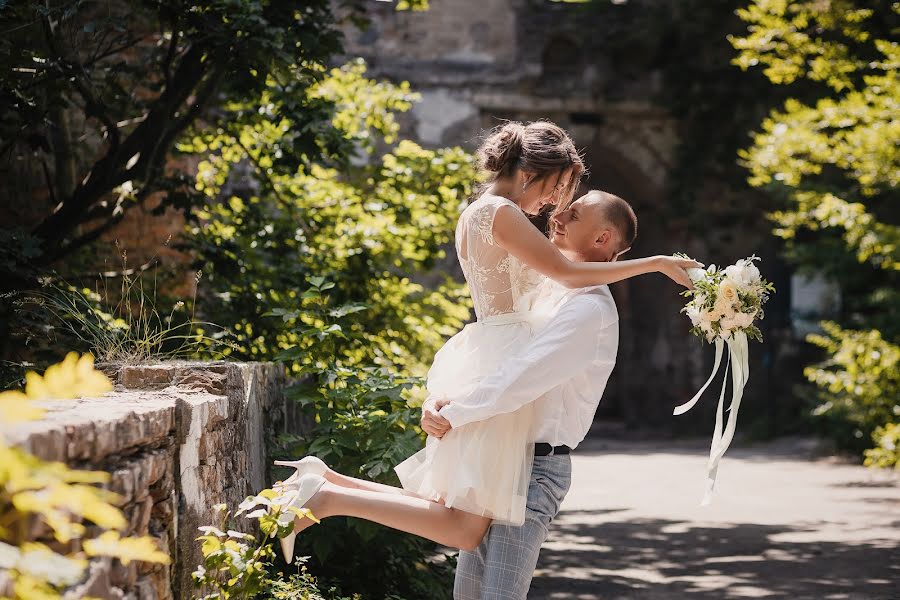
pixel 432 422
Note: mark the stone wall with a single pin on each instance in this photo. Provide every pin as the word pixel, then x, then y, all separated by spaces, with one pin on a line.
pixel 177 438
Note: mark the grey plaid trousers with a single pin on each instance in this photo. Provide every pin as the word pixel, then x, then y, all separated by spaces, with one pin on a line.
pixel 501 568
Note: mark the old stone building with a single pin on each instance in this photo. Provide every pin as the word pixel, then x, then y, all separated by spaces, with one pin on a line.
pixel 627 80
pixel 603 74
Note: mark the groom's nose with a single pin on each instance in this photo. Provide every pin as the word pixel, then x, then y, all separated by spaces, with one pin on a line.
pixel 556 222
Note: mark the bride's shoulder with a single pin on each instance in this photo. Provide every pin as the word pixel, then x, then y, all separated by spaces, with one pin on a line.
pixel 494 199
pixel 485 207
pixel 488 199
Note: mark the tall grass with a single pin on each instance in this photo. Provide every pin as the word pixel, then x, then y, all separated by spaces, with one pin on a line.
pixel 123 324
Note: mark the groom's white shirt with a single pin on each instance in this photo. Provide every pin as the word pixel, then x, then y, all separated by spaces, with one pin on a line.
pixel 564 369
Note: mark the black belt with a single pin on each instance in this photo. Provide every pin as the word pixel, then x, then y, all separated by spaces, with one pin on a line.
pixel 545 449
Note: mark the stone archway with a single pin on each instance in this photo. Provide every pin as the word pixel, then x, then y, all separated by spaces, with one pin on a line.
pixel 628 155
pixel 646 356
pixel 626 149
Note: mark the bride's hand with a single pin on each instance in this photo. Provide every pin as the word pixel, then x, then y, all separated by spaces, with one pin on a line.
pixel 674 267
pixel 432 422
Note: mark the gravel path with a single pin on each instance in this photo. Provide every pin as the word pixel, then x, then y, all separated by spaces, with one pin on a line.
pixel 782 525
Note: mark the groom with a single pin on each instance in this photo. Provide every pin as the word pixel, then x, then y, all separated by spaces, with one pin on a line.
pixel 563 370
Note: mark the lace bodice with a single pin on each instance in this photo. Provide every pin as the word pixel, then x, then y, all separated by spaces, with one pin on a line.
pixel 499 283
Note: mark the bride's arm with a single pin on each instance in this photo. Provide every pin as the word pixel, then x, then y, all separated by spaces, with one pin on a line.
pixel 515 234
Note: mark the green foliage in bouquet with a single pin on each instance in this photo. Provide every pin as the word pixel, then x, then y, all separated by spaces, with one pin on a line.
pixel 60 499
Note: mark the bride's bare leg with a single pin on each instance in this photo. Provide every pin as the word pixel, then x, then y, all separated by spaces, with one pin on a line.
pixel 361 484
pixel 447 526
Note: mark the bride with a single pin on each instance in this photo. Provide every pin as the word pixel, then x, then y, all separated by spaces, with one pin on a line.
pixel 457 485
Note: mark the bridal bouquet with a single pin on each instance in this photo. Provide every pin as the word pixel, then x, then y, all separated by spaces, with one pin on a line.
pixel 723 307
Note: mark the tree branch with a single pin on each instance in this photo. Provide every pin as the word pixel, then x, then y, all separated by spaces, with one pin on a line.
pixel 170 53
pixel 268 179
pixel 109 171
pixel 82 240
pixel 50 186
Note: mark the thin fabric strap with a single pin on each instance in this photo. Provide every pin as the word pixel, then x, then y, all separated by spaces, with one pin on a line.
pixel 740 373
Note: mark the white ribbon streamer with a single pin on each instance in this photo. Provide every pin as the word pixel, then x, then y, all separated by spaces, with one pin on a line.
pixel 680 410
pixel 738 359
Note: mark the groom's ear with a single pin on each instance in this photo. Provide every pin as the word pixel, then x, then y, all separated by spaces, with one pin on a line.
pixel 604 238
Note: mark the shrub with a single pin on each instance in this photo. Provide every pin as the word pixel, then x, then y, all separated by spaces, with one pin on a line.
pixel 376 230
pixel 364 420
pixel 857 387
pixel 886 453
pixel 238 565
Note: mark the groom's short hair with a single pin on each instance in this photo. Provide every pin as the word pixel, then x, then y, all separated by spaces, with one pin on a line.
pixel 620 214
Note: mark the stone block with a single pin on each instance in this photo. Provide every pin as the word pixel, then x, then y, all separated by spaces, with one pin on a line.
pixel 163 509
pixel 80 441
pixel 123 576
pixel 49 444
pixel 122 483
pixel 163 487
pixel 158 464
pixel 185 437
pixel 207 381
pixel 146 377
pixel 139 517
pixel 162 583
pixel 145 590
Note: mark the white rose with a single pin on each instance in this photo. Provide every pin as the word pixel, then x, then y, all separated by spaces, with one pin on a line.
pixel 696 274
pixel 752 273
pixel 736 273
pixel 743 273
pixel 726 298
pixel 693 314
pixel 724 309
pixel 744 320
pixel 728 292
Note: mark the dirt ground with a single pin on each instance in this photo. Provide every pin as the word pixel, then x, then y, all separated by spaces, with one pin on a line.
pixel 783 524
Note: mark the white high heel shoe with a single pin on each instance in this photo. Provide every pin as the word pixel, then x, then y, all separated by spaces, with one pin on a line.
pixel 307 464
pixel 308 485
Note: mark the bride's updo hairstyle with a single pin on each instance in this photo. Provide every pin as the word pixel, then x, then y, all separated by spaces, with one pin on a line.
pixel 541 147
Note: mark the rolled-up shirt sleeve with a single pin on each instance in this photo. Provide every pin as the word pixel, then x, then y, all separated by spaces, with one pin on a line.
pixel 574 339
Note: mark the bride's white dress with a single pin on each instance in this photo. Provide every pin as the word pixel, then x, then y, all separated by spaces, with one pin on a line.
pixel 483 467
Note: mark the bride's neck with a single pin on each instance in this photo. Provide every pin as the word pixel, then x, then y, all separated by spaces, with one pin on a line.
pixel 505 188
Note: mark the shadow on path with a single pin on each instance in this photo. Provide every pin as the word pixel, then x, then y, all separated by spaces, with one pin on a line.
pixel 593 555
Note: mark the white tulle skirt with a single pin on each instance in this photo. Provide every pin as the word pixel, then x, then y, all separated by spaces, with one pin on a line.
pixel 483 467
